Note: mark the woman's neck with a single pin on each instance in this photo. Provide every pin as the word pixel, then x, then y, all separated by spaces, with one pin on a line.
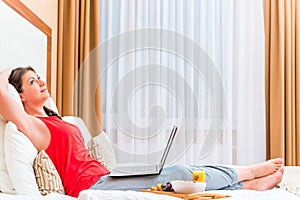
pixel 36 111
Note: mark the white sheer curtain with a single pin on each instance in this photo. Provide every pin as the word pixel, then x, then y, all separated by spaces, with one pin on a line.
pixel 195 64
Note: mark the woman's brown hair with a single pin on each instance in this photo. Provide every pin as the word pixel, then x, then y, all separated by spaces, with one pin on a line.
pixel 15 79
pixel 16 76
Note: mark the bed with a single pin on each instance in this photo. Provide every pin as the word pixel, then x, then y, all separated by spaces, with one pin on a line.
pixel 273 194
pixel 18 179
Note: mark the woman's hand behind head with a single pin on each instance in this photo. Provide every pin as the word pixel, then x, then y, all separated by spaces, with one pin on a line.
pixel 4 76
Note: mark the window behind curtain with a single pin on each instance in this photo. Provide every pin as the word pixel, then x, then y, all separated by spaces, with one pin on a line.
pixel 196 64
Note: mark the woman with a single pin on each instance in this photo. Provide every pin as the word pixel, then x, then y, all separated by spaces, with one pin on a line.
pixel 78 170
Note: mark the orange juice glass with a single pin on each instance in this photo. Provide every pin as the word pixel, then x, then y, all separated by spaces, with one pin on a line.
pixel 198 176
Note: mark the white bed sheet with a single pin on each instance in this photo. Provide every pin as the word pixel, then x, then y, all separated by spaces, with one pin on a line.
pixel 275 194
pixel 53 196
pixel 290 182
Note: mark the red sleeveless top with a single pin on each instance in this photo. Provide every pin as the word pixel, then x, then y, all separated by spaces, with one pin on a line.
pixel 77 169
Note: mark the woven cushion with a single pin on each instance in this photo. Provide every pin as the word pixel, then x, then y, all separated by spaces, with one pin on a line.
pixel 291 180
pixel 47 177
pixel 101 149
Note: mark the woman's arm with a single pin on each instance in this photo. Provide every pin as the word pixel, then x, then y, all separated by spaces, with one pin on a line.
pixel 9 109
pixel 32 127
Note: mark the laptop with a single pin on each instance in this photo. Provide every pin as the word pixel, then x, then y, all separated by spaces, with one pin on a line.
pixel 145 170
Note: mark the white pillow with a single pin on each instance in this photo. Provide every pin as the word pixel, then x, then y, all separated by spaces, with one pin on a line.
pixel 5 182
pixel 81 125
pixel 19 155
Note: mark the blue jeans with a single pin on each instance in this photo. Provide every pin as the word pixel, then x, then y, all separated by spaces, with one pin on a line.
pixel 217 178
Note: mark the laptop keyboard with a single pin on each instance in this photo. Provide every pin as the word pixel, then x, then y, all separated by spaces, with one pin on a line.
pixel 146 168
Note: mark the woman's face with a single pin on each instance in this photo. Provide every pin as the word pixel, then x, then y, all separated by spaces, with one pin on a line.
pixel 34 89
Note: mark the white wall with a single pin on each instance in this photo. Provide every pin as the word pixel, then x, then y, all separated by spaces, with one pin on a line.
pixel 46 11
pixel 22 43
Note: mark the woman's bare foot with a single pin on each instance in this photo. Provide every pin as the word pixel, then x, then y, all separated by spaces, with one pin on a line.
pixel 265 183
pixel 266 168
pixel 259 170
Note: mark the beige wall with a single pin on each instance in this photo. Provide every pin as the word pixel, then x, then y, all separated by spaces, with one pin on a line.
pixel 48 12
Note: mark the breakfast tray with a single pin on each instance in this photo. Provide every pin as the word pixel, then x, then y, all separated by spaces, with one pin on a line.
pixel 193 196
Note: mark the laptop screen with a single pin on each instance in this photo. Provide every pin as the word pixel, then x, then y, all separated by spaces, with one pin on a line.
pixel 168 146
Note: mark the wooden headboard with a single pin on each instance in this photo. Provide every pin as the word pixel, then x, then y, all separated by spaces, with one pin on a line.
pixel 26 13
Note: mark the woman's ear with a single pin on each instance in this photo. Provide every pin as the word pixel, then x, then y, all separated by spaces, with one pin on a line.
pixel 21 97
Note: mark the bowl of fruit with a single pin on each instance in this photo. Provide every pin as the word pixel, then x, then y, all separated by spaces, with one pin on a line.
pixel 188 187
pixel 167 187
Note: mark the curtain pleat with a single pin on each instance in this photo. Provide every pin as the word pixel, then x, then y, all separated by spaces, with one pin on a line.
pixel 282 79
pixel 78 68
pixel 67 58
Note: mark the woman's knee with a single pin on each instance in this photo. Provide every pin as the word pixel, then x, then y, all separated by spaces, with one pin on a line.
pixel 179 172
